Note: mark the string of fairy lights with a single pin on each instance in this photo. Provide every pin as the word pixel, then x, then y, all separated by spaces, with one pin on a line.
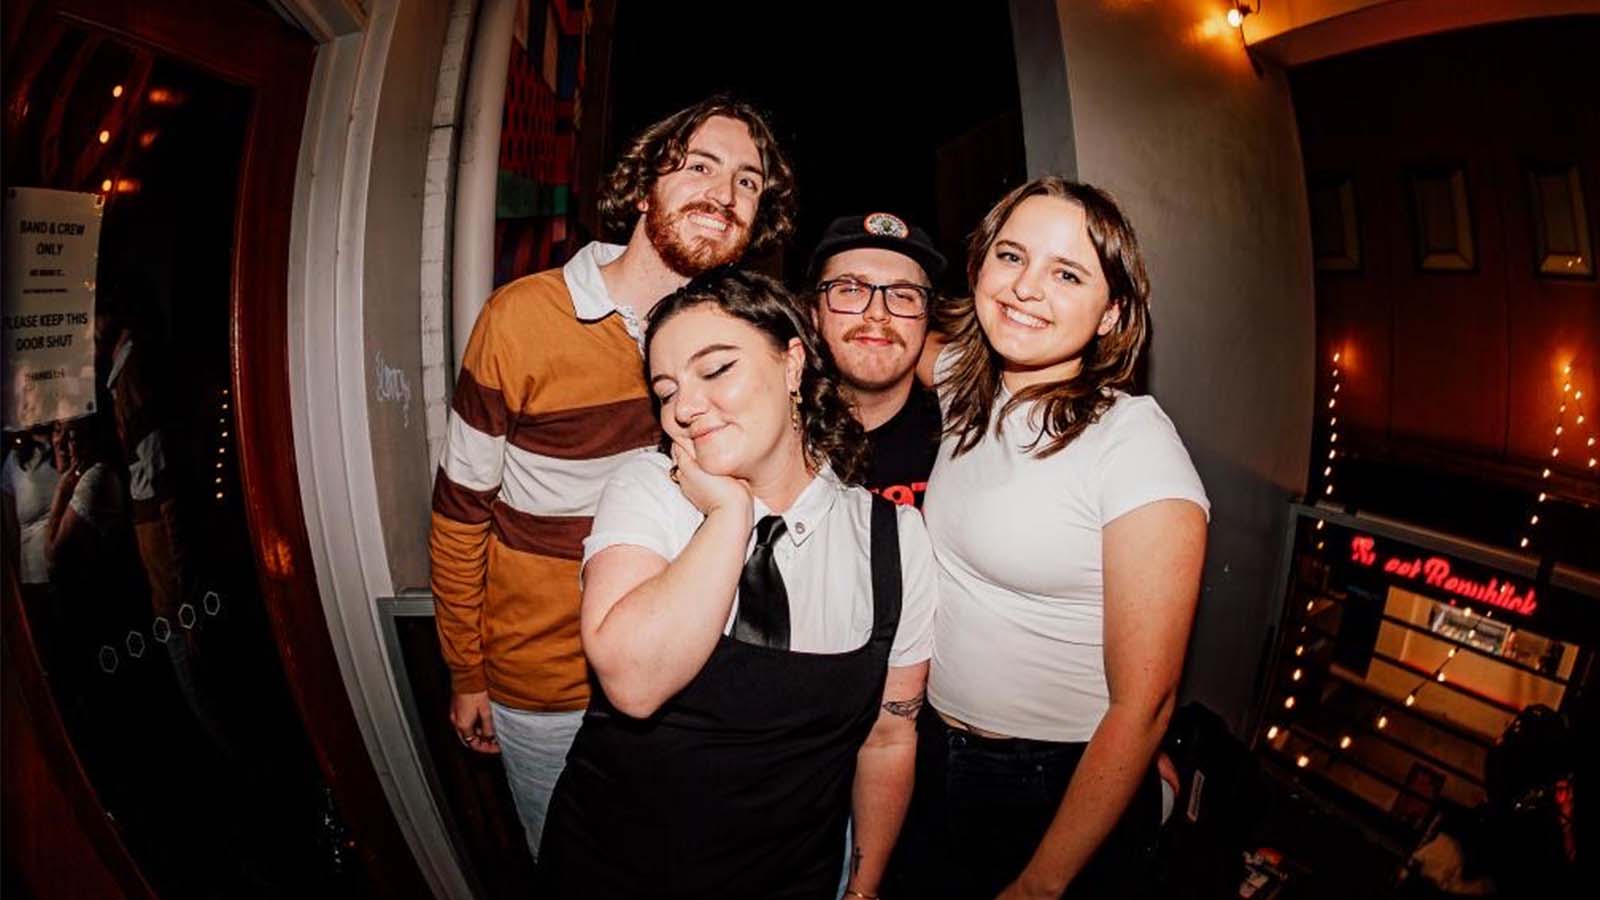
pixel 1569 400
pixel 224 429
pixel 1332 410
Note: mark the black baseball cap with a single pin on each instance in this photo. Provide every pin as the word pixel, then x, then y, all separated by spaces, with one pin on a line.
pixel 883 231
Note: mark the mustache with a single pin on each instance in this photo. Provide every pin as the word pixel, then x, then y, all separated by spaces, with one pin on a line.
pixel 710 209
pixel 871 332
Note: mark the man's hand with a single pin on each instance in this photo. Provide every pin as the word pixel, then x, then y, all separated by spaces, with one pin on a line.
pixel 474 724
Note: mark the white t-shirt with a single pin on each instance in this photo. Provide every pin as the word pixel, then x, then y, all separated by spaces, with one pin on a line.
pixel 98 499
pixel 32 487
pixel 1018 640
pixel 823 555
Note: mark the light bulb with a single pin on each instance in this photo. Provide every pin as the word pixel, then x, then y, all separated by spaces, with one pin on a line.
pixel 1411 699
pixel 1235 18
pixel 1272 733
pixel 1383 722
pixel 1344 742
pixel 1303 761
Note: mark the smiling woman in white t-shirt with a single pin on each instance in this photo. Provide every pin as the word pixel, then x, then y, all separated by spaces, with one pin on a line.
pixel 1069 528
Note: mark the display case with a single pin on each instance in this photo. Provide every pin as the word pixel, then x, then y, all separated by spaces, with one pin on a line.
pixel 1403 653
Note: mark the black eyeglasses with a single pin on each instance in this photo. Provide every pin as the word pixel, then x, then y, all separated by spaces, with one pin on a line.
pixel 852 297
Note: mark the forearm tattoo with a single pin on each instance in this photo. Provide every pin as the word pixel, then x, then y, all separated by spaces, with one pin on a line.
pixel 905 709
pixel 855 860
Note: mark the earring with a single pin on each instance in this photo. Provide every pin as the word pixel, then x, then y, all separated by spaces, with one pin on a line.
pixel 794 410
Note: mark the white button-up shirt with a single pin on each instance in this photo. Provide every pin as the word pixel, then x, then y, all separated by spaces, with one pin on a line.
pixel 823 555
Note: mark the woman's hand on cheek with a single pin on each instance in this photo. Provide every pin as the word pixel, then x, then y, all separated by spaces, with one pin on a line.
pixel 706 491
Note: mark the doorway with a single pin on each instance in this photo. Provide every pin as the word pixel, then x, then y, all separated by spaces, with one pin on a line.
pixel 161 627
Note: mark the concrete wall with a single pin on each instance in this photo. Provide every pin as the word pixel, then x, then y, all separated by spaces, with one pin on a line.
pixel 396 415
pixel 1202 152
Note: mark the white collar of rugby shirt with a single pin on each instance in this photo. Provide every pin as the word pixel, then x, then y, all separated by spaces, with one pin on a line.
pixel 590 299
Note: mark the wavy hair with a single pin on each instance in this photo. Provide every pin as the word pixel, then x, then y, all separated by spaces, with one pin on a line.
pixel 1065 408
pixel 829 431
pixel 661 149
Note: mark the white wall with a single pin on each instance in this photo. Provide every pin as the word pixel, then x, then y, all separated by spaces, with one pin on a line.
pixel 1202 153
pixel 357 253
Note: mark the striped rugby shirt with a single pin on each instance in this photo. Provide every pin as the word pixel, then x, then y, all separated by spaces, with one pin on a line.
pixel 550 401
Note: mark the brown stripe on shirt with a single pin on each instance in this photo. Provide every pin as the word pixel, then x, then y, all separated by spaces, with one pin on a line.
pixel 484 408
pixel 560 537
pixel 588 432
pixel 461 504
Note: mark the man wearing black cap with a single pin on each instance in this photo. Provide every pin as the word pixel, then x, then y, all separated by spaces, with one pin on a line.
pixel 873 279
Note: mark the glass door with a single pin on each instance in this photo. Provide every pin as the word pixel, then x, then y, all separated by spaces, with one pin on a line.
pixel 140 583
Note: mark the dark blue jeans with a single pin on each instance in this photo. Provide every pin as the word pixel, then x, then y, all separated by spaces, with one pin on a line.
pixel 981 806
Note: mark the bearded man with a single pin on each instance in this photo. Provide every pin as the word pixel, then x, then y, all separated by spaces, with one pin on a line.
pixel 550 401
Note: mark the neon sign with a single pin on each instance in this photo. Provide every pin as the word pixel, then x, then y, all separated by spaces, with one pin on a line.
pixel 1434 571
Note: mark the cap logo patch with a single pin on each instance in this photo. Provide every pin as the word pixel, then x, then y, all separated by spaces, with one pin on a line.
pixel 886 225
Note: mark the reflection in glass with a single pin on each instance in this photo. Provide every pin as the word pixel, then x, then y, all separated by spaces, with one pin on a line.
pixel 137 573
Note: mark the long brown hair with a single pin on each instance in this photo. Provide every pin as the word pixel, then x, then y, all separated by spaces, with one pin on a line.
pixel 829 430
pixel 1065 408
pixel 661 148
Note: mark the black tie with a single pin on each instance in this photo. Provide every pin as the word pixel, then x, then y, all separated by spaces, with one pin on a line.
pixel 763 602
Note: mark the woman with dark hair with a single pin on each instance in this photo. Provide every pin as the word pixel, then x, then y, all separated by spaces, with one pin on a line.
pixel 1069 528
pixel 757 625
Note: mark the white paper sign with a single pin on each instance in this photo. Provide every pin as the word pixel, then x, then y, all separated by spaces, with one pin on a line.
pixel 52 244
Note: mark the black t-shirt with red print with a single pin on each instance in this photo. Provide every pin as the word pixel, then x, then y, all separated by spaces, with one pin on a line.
pixel 904 449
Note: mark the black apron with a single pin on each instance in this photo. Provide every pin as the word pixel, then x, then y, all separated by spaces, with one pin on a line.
pixel 739 786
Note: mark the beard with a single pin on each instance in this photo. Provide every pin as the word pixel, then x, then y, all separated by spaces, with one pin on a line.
pixel 693 256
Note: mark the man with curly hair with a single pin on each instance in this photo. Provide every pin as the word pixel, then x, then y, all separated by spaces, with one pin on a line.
pixel 550 401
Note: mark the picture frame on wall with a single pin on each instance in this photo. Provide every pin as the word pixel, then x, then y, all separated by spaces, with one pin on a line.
pixel 1560 222
pixel 1335 237
pixel 1442 220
